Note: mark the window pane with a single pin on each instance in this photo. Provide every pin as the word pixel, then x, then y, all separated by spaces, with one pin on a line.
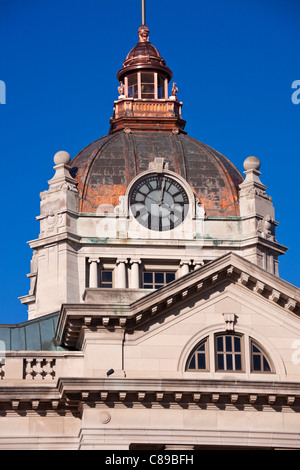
pixel 201 361
pixel 148 278
pixel 170 277
pixel 192 364
pixel 148 286
pixel 147 88
pixel 228 343
pixel 201 347
pixel 106 276
pixel 159 278
pixel 237 344
pixel 220 361
pixel 266 365
pixel 147 78
pixel 160 93
pixel 160 87
pixel 220 343
pixel 255 349
pixel 238 362
pixel 132 80
pixel 256 362
pixel 133 91
pixel 229 365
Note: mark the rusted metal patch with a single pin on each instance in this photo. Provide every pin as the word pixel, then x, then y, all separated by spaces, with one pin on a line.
pixel 104 169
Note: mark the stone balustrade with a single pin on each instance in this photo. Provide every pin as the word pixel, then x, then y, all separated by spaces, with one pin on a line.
pixel 39 366
pixel 39 369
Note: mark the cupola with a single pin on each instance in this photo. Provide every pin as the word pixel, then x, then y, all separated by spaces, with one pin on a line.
pixel 144 102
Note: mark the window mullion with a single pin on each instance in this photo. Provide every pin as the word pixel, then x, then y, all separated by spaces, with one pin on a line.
pixel 139 85
pixel 155 86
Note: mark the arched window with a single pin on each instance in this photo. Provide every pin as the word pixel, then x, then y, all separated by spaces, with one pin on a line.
pixel 199 358
pixel 229 353
pixel 259 361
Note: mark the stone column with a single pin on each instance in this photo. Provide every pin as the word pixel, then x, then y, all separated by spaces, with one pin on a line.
pixel 198 263
pixel 93 272
pixel 184 268
pixel 135 274
pixel 121 273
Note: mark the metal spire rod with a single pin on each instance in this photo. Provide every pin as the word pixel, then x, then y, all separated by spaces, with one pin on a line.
pixel 143 12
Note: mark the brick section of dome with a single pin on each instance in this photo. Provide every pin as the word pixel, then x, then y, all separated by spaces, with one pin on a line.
pixel 105 168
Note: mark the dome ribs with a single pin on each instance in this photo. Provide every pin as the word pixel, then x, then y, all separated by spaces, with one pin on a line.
pixel 104 169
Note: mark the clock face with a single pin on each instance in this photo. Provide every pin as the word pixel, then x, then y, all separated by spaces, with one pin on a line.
pixel 159 202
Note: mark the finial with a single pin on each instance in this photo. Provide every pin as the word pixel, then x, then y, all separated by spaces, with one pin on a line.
pixel 143 33
pixel 252 163
pixel 62 158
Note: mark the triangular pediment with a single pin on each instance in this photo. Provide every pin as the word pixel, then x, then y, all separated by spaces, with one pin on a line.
pixel 133 309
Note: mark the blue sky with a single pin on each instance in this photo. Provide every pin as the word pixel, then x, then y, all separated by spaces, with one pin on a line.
pixel 234 63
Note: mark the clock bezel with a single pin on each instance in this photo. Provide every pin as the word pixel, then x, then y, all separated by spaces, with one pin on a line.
pixel 178 180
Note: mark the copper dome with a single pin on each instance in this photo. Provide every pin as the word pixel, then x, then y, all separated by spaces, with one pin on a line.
pixel 105 168
pixel 144 56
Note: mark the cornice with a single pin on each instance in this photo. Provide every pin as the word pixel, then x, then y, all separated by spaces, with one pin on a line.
pixel 72 394
pixel 229 268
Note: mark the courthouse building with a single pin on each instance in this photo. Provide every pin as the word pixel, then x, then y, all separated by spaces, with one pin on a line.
pixel 157 318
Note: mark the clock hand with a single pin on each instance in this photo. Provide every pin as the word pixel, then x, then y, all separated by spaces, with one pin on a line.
pixel 166 204
pixel 149 197
pixel 162 191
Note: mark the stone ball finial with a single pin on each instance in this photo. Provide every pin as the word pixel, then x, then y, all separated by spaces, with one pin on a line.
pixel 252 163
pixel 62 158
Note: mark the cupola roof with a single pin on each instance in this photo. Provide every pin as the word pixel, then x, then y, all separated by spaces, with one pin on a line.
pixel 144 56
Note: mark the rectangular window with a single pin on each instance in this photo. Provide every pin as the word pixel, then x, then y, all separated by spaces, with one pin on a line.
pixel 160 87
pixel 106 278
pixel 228 351
pixel 132 86
pixel 147 85
pixel 157 279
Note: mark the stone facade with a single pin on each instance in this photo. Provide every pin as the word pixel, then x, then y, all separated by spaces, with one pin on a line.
pixel 184 338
